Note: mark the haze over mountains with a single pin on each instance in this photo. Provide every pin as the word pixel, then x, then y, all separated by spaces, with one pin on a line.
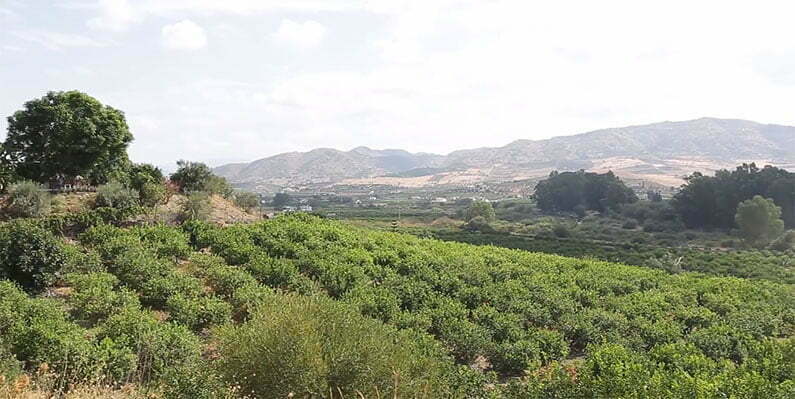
pixel 662 153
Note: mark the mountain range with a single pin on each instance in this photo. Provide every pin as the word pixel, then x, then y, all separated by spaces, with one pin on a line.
pixel 660 153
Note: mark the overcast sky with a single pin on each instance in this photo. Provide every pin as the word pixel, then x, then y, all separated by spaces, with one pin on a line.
pixel 234 80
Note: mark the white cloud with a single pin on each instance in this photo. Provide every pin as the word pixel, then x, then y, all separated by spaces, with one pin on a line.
pixel 301 34
pixel 57 40
pixel 184 35
pixel 115 15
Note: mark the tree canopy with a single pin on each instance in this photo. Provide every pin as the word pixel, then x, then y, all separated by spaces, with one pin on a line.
pixel 64 135
pixel 567 191
pixel 711 201
pixel 759 220
pixel 196 176
pixel 482 209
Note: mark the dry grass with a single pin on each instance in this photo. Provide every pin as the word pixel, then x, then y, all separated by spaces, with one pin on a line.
pixel 24 387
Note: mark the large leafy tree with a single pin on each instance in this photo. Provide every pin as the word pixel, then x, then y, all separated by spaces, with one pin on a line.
pixel 64 135
pixel 759 220
pixel 711 201
pixel 564 192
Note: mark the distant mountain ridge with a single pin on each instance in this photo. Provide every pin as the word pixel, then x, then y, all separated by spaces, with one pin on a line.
pixel 661 152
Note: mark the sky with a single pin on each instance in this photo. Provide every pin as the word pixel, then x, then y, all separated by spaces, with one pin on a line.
pixel 238 80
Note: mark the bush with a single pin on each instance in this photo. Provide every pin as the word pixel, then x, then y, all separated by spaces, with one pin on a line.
pixel 166 241
pixel 28 199
pixel 247 200
pixel 29 255
pixel 299 345
pixel 96 296
pixel 272 271
pixel 196 207
pixel 152 194
pixel 38 332
pixel 160 346
pixel 115 195
pixel 198 313
pixel 225 280
pixel 81 260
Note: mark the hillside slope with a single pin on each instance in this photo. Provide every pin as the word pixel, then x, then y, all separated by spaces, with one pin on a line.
pixel 660 152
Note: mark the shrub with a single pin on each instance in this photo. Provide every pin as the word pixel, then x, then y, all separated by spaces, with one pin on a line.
pixel 29 255
pixel 115 195
pixel 152 194
pixel 198 313
pixel 28 199
pixel 38 332
pixel 160 346
pixel 156 291
pixel 292 346
pixel 272 271
pixel 166 241
pixel 194 380
pixel 81 260
pixel 96 296
pixel 196 207
pixel 225 280
pixel 247 200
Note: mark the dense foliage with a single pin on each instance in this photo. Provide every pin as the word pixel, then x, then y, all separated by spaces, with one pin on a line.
pixel 580 191
pixel 298 304
pixel 518 310
pixel 64 135
pixel 711 201
pixel 755 264
pixel 759 220
pixel 29 255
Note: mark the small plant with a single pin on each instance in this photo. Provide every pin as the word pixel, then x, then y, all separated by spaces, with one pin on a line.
pixel 28 199
pixel 115 195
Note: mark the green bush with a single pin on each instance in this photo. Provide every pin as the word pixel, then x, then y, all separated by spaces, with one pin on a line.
pixel 96 296
pixel 194 380
pixel 81 260
pixel 225 280
pixel 300 345
pixel 156 291
pixel 29 255
pixel 273 272
pixel 152 194
pixel 166 241
pixel 198 313
pixel 115 195
pixel 28 199
pixel 196 206
pixel 247 200
pixel 38 332
pixel 159 346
